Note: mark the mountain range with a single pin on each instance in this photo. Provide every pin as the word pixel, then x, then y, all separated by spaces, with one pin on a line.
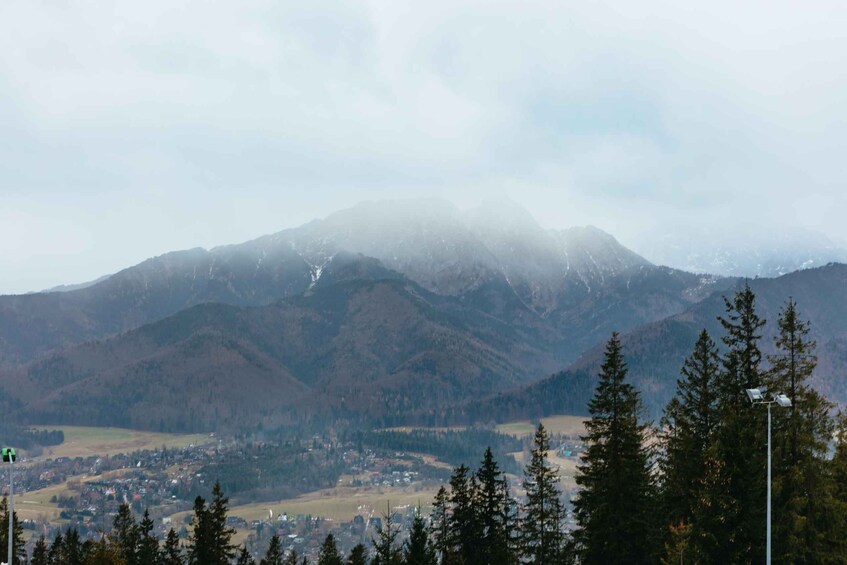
pixel 380 313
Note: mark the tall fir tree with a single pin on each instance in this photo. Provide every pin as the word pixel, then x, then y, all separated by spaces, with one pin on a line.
pixel 836 537
pixel 440 526
pixel 329 554
pixel 210 542
pixel 274 554
pixel 386 549
pixel 496 513
pixel 740 446
pixel 148 543
pixel 418 550
pixel 801 439
pixel 358 555
pixel 40 552
pixel 542 524
pixel 687 432
pixel 17 532
pixel 171 552
pixel 127 534
pixel 615 508
pixel 244 557
pixel 465 527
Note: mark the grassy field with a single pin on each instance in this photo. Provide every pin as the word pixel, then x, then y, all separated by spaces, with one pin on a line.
pixel 339 504
pixel 565 425
pixel 87 441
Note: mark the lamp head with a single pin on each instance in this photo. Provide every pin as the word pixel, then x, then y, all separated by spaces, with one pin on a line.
pixel 756 394
pixel 783 400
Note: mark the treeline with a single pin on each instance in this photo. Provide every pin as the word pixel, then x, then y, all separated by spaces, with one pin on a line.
pixel 264 472
pixel 457 447
pixel 28 438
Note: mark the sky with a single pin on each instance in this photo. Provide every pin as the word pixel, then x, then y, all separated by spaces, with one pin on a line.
pixel 129 129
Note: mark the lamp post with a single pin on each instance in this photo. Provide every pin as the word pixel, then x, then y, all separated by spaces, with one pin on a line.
pixel 757 396
pixel 9 456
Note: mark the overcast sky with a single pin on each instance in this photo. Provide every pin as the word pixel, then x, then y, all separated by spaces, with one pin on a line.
pixel 131 129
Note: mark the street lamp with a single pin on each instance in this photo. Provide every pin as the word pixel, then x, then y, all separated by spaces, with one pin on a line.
pixel 757 396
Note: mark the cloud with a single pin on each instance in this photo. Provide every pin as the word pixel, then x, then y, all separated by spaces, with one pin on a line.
pixel 586 112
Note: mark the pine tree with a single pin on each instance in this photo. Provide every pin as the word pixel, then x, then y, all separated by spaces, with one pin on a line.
pixel 127 534
pixel 56 553
pixel 358 555
pixel 17 533
pixel 800 444
pixel 273 555
pixel 244 557
pixel 39 552
pixel 440 526
pixel 148 543
pixel 740 444
pixel 615 507
pixel 688 429
pixel 541 528
pixel 72 551
pixel 418 550
pixel 496 513
pixel 171 553
pixel 210 539
pixel 836 535
pixel 328 554
pixel 465 527
pixel 291 559
pixel 385 544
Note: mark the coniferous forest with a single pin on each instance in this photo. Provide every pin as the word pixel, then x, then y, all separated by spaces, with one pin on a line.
pixel 690 488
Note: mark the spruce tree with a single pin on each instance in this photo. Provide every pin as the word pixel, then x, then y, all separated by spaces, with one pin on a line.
pixel 56 553
pixel 418 550
pixel 127 534
pixel 244 557
pixel 210 539
pixel 541 527
pixel 148 543
pixel 496 513
pixel 171 553
pixel 104 552
pixel 329 552
pixel 615 506
pixel 385 545
pixel 687 433
pixel 40 552
pixel 801 439
pixel 291 558
pixel 465 528
pixel 273 555
pixel 358 555
pixel 17 533
pixel 440 526
pixel 740 444
pixel 836 535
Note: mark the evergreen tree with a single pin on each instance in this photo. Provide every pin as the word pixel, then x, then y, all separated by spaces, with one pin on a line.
pixel 440 526
pixel 73 552
pixel 836 537
pixel 385 544
pixel 465 528
pixel 39 552
pixel 800 440
pixel 358 555
pixel 542 535
pixel 244 557
pixel 56 553
pixel 688 430
pixel 291 559
pixel 210 539
pixel 127 534
pixel 273 555
pixel 740 444
pixel 104 552
pixel 418 550
pixel 496 513
pixel 148 543
pixel 329 552
pixel 171 553
pixel 17 533
pixel 616 502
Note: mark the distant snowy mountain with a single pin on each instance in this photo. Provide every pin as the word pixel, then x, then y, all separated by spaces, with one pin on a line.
pixel 751 252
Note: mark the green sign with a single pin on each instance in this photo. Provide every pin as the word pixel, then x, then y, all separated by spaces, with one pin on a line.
pixel 9 454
